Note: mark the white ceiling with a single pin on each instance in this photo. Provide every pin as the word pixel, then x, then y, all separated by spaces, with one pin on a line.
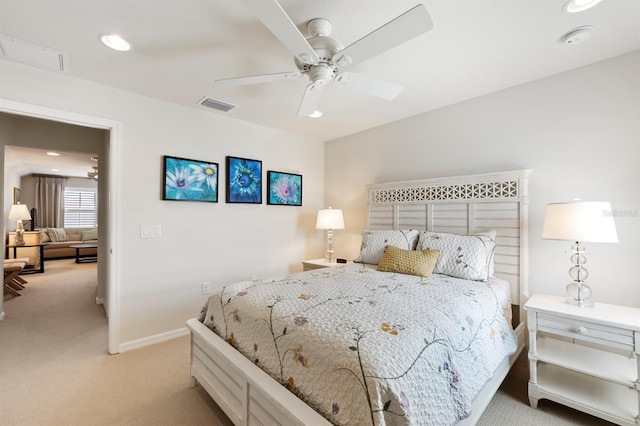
pixel 23 161
pixel 181 47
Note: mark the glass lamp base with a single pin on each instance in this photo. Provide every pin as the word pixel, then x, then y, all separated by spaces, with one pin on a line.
pixel 579 293
pixel 579 303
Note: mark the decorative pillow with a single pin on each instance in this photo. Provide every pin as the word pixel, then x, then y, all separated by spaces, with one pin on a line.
pixel 89 235
pixel 44 236
pixel 374 243
pixel 410 262
pixel 461 256
pixel 57 234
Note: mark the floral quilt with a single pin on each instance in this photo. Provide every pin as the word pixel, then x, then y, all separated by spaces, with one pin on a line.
pixel 367 347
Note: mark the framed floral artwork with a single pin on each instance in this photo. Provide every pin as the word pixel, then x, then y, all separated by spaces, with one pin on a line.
pixel 285 189
pixel 244 180
pixel 189 180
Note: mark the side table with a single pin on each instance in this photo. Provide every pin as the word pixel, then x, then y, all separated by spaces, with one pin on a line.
pixel 585 358
pixel 15 249
pixel 308 265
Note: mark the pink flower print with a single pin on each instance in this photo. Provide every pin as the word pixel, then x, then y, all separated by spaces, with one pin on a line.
pixel 300 321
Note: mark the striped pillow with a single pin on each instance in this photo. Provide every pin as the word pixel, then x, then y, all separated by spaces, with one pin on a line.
pixel 57 235
pixel 44 236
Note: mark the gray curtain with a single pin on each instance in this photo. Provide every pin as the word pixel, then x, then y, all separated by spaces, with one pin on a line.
pixel 49 201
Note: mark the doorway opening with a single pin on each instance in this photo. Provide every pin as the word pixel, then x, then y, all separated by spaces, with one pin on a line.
pixel 108 199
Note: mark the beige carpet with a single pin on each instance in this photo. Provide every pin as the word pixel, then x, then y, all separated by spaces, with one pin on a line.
pixel 54 368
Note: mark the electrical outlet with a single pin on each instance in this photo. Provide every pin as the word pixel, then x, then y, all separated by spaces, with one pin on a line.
pixel 206 287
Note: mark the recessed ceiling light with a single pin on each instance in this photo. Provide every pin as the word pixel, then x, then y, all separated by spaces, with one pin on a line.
pixel 316 114
pixel 55 170
pixel 53 154
pixel 115 42
pixel 575 6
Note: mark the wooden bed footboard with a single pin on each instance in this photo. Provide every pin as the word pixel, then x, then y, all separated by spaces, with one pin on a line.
pixel 246 394
pixel 249 396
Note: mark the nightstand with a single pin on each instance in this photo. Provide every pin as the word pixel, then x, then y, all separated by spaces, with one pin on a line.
pixel 585 358
pixel 308 265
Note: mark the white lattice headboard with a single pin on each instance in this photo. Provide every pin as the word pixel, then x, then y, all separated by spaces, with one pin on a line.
pixel 464 205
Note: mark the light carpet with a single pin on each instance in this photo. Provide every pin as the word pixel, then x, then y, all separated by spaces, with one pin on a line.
pixel 55 370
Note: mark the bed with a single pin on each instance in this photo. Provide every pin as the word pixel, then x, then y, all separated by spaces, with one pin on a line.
pixel 359 328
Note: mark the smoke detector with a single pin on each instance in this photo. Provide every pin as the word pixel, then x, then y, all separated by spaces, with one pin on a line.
pixel 577 35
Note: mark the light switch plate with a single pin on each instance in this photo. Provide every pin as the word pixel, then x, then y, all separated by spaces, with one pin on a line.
pixel 150 231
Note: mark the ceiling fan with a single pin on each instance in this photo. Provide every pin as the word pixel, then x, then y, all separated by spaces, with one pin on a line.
pixel 323 58
pixel 93 175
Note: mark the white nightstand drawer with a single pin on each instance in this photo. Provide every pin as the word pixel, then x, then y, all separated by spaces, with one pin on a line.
pixel 585 330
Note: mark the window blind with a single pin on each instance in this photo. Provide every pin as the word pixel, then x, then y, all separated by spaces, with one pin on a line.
pixel 80 208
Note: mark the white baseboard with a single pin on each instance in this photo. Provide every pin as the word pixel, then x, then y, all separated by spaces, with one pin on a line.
pixel 152 340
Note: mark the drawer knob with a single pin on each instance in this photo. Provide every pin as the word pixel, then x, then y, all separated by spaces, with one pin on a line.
pixel 581 330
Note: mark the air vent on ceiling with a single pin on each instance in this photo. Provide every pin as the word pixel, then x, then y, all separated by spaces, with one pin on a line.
pixel 215 104
pixel 32 54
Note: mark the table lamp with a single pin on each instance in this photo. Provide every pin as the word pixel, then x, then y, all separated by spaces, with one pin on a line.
pixel 579 221
pixel 329 220
pixel 19 212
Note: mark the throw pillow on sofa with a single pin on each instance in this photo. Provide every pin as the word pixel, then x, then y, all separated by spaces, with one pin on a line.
pixel 44 236
pixel 89 235
pixel 57 235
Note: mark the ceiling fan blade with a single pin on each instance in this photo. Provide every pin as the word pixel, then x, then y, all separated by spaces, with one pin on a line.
pixel 410 24
pixel 278 22
pixel 369 86
pixel 310 100
pixel 257 79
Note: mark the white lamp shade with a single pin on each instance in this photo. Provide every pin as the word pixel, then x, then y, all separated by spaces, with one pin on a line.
pixel 19 211
pixel 584 221
pixel 330 219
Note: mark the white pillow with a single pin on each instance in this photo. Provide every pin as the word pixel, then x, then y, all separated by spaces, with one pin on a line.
pixel 461 256
pixel 374 243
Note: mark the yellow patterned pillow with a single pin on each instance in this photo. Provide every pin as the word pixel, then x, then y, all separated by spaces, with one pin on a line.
pixel 410 262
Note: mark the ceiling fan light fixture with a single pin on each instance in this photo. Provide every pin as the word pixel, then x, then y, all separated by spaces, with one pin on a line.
pixel 321 74
pixel 316 114
pixel 575 6
pixel 115 42
pixel 94 174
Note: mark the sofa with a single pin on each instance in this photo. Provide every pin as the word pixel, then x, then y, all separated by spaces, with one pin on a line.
pixel 58 241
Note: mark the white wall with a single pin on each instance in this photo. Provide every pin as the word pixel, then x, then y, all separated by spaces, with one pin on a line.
pixel 580 133
pixel 161 278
